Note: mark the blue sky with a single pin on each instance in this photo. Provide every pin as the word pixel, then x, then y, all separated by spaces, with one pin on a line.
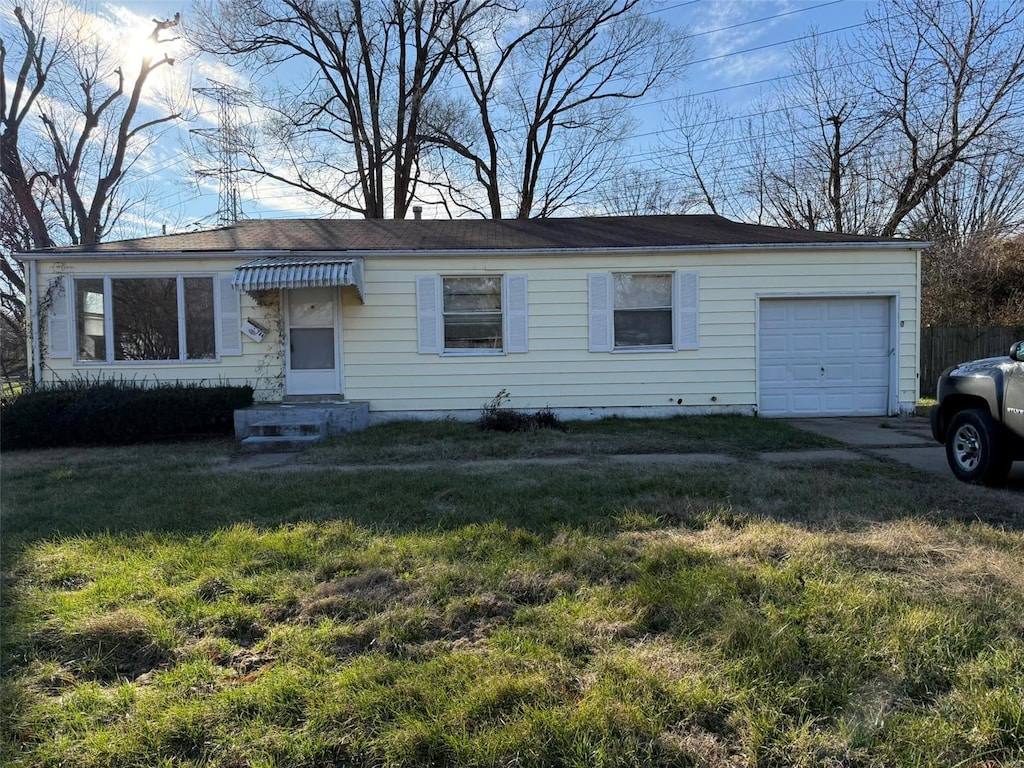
pixel 741 54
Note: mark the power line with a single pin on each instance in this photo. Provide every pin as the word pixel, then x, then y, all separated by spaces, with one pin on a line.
pixel 765 18
pixel 641 156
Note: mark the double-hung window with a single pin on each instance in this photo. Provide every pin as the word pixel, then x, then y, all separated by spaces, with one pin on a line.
pixel 643 311
pixel 144 319
pixel 471 314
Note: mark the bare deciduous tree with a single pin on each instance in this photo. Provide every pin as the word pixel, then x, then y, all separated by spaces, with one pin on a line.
pixel 950 83
pixel 691 155
pixel 346 126
pixel 92 127
pixel 72 125
pixel 550 93
pixel 489 106
pixel 867 133
pixel 640 192
pixel 14 238
pixel 825 128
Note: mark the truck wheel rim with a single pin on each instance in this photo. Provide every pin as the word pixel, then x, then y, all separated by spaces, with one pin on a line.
pixel 967 447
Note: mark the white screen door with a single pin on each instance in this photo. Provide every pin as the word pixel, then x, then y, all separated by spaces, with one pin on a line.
pixel 313 357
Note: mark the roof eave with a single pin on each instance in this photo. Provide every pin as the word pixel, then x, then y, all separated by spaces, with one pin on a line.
pixel 886 245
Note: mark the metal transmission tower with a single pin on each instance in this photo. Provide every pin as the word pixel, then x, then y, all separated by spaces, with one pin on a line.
pixel 225 141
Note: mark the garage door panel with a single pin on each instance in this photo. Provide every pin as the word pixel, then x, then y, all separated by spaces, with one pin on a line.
pixel 824 356
pixel 774 342
pixel 840 373
pixel 775 312
pixel 875 310
pixel 875 373
pixel 774 374
pixel 856 400
pixel 840 342
pixel 808 373
pixel 810 311
pixel 873 336
pixel 807 342
pixel 839 401
pixel 844 311
pixel 805 402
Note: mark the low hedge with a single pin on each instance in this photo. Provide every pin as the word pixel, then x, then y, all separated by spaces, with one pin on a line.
pixel 91 413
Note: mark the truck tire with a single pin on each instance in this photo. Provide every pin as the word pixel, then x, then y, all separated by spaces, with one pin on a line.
pixel 973 450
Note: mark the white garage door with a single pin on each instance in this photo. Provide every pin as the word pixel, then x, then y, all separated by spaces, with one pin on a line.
pixel 824 357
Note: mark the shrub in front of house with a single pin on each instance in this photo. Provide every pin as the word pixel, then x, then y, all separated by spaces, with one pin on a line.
pixel 496 417
pixel 117 412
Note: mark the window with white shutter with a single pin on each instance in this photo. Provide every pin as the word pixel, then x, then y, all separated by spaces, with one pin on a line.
pixel 472 314
pixel 643 311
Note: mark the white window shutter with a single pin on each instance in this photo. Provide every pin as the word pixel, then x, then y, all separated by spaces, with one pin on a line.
pixel 229 322
pixel 601 311
pixel 686 310
pixel 428 314
pixel 517 337
pixel 59 318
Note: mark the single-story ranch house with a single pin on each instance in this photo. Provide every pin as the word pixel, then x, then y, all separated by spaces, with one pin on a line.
pixel 597 316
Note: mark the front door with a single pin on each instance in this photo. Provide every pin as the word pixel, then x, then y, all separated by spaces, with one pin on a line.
pixel 312 351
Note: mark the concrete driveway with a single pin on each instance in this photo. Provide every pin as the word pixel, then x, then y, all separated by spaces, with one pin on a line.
pixel 906 439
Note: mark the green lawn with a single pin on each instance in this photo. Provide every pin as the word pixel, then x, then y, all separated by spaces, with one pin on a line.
pixel 411 442
pixel 163 609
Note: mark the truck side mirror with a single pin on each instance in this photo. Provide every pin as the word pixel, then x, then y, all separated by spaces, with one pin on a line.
pixel 1017 352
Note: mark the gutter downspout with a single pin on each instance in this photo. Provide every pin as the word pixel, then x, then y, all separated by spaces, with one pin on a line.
pixel 37 368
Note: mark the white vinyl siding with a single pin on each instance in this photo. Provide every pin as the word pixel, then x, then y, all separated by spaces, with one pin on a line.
pixel 559 371
pixel 382 337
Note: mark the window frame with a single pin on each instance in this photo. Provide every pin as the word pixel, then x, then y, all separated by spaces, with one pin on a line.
pixel 444 314
pixel 515 321
pixel 667 346
pixel 109 357
pixel 685 321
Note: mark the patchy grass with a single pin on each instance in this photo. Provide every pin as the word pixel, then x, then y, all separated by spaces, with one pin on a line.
pixel 413 441
pixel 156 612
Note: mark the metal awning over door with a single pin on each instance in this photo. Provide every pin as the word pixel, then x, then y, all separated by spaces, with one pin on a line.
pixel 285 272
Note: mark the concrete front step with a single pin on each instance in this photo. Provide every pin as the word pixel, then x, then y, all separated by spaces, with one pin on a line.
pixel 279 443
pixel 287 429
pixel 294 426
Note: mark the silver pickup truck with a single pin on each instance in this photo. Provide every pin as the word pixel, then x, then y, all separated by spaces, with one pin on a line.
pixel 979 416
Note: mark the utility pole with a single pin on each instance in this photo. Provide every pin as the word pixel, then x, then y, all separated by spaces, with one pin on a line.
pixel 225 142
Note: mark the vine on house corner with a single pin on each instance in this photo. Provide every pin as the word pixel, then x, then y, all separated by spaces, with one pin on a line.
pixel 57 287
pixel 270 369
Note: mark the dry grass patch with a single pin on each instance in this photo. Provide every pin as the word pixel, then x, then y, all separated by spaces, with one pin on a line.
pixel 583 615
pixel 120 645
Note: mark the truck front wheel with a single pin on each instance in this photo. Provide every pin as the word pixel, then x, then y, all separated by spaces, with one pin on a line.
pixel 973 450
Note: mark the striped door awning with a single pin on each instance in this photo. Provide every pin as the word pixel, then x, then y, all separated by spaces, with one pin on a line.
pixel 277 272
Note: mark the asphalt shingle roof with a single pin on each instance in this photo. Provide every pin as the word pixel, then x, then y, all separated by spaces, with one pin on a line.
pixel 471 234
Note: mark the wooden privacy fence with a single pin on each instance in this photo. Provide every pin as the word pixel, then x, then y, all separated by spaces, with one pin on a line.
pixel 942 347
